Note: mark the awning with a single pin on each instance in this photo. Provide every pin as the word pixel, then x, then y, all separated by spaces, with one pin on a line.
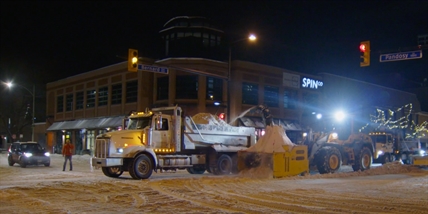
pixel 93 123
pixel 257 122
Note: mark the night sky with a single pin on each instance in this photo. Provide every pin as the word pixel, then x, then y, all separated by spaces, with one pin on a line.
pixel 45 41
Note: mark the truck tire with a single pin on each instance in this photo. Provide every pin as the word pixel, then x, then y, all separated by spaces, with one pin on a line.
pixel 224 165
pixel 195 171
pixel 22 163
pixel 328 160
pixel 113 172
pixel 235 164
pixel 141 167
pixel 363 160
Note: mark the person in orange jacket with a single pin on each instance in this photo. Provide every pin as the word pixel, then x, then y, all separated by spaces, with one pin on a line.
pixel 67 153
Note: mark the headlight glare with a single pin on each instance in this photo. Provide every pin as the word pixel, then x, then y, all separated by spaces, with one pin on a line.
pixel 47 154
pixel 28 154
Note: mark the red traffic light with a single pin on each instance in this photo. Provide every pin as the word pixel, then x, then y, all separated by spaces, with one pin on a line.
pixel 363 47
pixel 222 116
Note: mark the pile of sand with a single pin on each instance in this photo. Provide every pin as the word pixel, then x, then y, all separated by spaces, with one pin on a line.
pixel 273 141
pixel 207 118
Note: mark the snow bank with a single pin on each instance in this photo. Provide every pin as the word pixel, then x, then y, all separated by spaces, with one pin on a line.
pixel 273 141
pixel 207 118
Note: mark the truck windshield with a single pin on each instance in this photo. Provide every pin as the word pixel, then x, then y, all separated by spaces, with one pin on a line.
pixel 138 123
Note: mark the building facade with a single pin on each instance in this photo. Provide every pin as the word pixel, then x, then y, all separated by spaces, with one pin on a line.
pixel 200 81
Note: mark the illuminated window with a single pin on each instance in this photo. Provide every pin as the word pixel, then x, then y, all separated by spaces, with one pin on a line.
pixel 250 93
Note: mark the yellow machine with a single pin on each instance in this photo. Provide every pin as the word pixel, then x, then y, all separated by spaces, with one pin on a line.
pixel 294 161
pixel 420 161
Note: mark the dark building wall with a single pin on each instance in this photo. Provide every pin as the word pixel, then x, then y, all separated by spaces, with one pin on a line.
pixel 360 100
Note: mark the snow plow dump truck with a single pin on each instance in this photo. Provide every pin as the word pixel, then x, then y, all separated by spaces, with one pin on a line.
pixel 164 139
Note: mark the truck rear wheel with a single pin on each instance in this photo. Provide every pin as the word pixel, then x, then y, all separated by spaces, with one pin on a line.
pixel 141 167
pixel 363 160
pixel 10 161
pixel 328 160
pixel 224 165
pixel 113 172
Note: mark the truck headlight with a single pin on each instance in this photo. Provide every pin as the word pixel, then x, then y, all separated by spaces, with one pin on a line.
pixel 379 152
pixel 422 152
pixel 47 154
pixel 28 154
pixel 119 150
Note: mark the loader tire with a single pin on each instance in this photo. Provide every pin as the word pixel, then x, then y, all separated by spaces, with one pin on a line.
pixel 363 160
pixel 195 171
pixel 224 165
pixel 328 160
pixel 141 167
pixel 113 172
pixel 386 158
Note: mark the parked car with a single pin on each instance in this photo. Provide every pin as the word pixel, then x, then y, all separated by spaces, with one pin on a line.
pixel 28 153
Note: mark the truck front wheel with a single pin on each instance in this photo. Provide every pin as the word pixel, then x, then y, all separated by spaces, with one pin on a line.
pixel 141 167
pixel 113 172
pixel 363 160
pixel 328 160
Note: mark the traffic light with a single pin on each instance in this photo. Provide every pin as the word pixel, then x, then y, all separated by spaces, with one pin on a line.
pixel 365 53
pixel 132 60
pixel 222 116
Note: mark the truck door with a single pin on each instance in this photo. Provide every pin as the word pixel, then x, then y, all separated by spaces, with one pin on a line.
pixel 162 135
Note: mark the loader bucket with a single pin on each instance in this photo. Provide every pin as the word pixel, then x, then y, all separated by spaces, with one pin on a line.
pixel 420 161
pixel 294 161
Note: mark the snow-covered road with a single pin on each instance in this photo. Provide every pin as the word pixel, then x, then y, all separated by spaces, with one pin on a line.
pixel 391 188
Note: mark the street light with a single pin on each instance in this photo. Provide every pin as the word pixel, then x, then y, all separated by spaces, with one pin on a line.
pixel 251 38
pixel 10 84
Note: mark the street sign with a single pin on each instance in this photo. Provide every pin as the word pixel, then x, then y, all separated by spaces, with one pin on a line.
pixel 156 69
pixel 400 56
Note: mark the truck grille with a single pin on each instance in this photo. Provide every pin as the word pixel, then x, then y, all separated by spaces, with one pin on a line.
pixel 102 148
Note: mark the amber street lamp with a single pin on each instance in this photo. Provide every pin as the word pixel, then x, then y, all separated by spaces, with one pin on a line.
pixel 251 38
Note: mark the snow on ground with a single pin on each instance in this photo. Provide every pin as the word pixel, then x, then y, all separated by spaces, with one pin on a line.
pixel 392 188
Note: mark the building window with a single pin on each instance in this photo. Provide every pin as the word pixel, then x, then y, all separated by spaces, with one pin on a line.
pixel 250 93
pixel 271 95
pixel 131 91
pixel 103 96
pixel 69 102
pixel 187 87
pixel 90 98
pixel 116 94
pixel 214 89
pixel 290 99
pixel 60 103
pixel 163 88
pixel 310 101
pixel 79 100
